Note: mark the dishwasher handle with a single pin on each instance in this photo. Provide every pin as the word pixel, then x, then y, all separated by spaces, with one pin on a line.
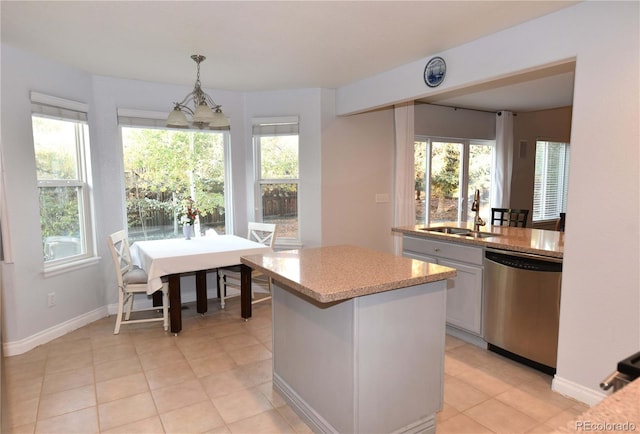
pixel 524 261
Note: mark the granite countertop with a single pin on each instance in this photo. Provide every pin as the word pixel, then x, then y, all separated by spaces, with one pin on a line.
pixel 525 240
pixel 618 412
pixel 335 273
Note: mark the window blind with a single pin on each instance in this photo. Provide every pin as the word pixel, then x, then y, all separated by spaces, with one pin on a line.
pixel 58 108
pixel 551 180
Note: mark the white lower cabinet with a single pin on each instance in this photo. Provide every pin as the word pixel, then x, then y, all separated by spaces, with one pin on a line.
pixel 464 293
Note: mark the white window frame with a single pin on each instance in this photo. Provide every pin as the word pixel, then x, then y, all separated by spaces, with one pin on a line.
pixel 158 120
pixel 67 110
pixel 273 126
pixel 541 211
pixel 463 212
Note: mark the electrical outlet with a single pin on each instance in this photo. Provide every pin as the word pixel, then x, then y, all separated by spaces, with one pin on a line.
pixel 382 198
pixel 51 299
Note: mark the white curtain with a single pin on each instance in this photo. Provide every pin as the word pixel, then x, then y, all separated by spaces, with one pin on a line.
pixel 503 161
pixel 404 204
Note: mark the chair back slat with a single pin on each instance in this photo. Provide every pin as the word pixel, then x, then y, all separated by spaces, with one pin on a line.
pixel 119 247
pixel 263 233
pixel 509 217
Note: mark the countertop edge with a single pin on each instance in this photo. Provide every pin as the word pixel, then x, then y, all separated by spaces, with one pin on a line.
pixel 491 242
pixel 352 292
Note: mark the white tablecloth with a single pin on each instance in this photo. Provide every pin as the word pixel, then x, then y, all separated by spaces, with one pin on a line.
pixel 160 258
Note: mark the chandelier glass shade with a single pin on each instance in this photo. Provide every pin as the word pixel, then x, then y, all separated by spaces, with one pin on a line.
pixel 204 113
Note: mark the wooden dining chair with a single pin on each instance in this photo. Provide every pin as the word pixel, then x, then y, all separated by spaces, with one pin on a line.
pixel 509 217
pixel 132 280
pixel 229 277
pixel 560 222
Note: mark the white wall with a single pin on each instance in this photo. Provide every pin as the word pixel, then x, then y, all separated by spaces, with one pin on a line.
pixel 600 312
pixel 357 164
pixel 432 120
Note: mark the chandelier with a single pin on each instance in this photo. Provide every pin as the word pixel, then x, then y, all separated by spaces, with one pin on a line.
pixel 205 112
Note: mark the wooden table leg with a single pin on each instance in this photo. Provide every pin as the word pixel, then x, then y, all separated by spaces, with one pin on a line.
pixel 245 291
pixel 157 298
pixel 201 292
pixel 175 304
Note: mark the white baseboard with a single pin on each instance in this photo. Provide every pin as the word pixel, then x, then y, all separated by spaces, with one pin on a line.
pixel 40 338
pixel 577 391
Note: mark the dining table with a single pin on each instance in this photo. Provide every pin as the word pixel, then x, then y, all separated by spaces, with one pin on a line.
pixel 171 258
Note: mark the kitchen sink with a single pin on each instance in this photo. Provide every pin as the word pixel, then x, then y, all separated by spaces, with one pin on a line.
pixel 463 232
pixel 448 230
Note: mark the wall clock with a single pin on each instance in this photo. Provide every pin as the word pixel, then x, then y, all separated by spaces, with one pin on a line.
pixel 435 71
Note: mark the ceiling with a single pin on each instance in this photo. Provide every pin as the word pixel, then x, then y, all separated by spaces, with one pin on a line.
pixel 267 45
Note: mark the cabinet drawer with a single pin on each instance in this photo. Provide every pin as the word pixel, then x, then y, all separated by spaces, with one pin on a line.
pixel 459 252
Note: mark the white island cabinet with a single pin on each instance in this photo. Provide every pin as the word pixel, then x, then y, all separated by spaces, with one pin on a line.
pixel 358 337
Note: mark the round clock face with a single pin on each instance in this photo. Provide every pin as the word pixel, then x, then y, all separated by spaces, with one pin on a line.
pixel 434 71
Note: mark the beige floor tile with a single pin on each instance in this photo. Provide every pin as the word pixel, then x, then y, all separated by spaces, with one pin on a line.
pixel 501 418
pixel 531 405
pixel 114 352
pixel 461 424
pixel 126 410
pixel 490 384
pixel 67 347
pixel 238 340
pixel 117 368
pixel 225 382
pixel 453 366
pixel 158 358
pixel 249 354
pixel 272 395
pixel 68 362
pixel 23 412
pixel 121 387
pixel 178 395
pixel 447 412
pixel 542 429
pixel 270 421
pixel 146 342
pixel 195 418
pixel 151 425
pixel 55 404
pixel 241 405
pixel 17 371
pixel 24 389
pixel 68 380
pixel 212 365
pixel 83 421
pixel 461 395
pixel 296 422
pixel 169 374
pixel 258 372
pixel 216 377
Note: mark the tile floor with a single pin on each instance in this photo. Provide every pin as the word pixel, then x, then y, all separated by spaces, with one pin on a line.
pixel 216 378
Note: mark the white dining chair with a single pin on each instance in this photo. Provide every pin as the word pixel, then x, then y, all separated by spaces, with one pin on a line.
pixel 229 277
pixel 132 280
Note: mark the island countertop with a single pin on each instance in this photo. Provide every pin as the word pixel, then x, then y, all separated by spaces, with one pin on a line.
pixel 336 273
pixel 525 240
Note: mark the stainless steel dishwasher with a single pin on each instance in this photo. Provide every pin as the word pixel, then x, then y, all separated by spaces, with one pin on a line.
pixel 522 306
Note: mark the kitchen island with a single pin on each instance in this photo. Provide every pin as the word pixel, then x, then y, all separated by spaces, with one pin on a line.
pixel 358 337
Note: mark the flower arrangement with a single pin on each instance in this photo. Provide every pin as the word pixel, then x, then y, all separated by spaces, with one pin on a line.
pixel 189 212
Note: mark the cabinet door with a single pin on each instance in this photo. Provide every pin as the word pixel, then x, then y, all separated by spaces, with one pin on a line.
pixel 464 298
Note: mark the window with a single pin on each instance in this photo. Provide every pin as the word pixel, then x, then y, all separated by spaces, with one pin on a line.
pixel 443 169
pixel 165 168
pixel 61 145
pixel 551 180
pixel 276 155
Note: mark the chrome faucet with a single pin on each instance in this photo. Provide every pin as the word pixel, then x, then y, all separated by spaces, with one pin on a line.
pixel 475 206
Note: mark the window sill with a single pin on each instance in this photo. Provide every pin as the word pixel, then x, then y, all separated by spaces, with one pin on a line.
pixel 71 266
